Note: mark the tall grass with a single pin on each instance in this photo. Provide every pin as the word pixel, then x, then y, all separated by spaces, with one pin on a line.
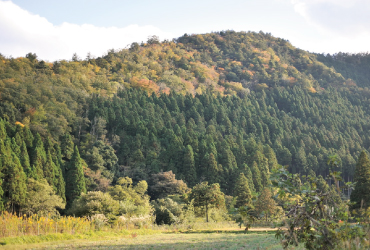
pixel 12 225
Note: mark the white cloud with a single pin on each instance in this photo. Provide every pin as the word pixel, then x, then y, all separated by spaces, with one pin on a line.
pixel 341 17
pixel 344 25
pixel 23 32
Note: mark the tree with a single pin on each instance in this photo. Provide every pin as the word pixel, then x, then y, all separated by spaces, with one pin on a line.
pixel 164 184
pixel 213 174
pixel 24 158
pixel 248 174
pixel 189 166
pixel 207 196
pixel 93 203
pixel 310 220
pixel 15 185
pixel 361 196
pixel 38 161
pixel 257 180
pixel 242 191
pixel 66 147
pixel 41 199
pixel 265 204
pixel 75 180
pixel 133 199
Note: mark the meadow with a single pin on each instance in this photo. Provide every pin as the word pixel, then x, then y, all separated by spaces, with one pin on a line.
pixel 138 239
pixel 41 232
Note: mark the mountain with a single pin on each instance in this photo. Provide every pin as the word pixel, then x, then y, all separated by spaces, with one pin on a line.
pixel 207 107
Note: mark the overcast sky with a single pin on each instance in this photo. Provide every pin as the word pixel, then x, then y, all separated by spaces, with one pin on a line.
pixel 55 30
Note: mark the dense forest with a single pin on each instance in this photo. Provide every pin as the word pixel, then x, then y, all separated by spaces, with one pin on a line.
pixel 206 107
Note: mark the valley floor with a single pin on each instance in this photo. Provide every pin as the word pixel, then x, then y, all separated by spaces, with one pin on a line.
pixel 214 239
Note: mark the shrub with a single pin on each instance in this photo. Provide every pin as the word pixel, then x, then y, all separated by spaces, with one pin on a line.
pixel 94 203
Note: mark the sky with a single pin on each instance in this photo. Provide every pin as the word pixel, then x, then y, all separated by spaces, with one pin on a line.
pixel 55 30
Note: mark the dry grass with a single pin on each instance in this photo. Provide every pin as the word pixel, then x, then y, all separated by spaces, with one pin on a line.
pixel 12 225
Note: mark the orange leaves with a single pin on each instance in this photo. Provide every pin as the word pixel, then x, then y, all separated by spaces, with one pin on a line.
pixel 146 84
pixel 31 111
pixel 312 90
pixel 205 72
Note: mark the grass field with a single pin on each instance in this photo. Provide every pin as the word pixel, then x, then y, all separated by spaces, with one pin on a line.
pixel 206 239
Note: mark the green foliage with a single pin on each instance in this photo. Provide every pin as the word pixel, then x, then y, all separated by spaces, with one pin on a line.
pixel 41 199
pixel 311 219
pixel 202 106
pixel 257 180
pixel 93 203
pixel 75 181
pixel 207 196
pixel 167 211
pixel 242 191
pixel 360 196
pixel 164 184
pixel 189 166
pixel 133 199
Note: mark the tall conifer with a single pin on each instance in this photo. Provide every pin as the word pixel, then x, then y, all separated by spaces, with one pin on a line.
pixel 257 180
pixel 24 158
pixel 189 166
pixel 75 180
pixel 248 174
pixel 15 187
pixel 242 191
pixel 361 194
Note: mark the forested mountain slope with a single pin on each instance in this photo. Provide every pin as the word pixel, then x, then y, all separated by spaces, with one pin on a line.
pixel 206 107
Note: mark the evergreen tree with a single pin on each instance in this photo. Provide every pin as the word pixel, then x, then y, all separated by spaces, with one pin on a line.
pixel 271 157
pixel 48 170
pixel 265 173
pixel 3 133
pixel 189 166
pixel 39 159
pixel 59 183
pixel 66 147
pixel 18 137
pixel 3 154
pixel 361 195
pixel 265 203
pixel 24 158
pixel 248 174
pixel 213 173
pixel 75 180
pixel 242 191
pixel 16 148
pixel 15 187
pixel 257 180
pixel 28 137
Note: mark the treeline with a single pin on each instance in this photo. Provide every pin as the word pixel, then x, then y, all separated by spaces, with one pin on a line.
pixel 354 67
pixel 214 138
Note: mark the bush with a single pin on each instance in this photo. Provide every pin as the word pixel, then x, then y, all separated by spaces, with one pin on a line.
pixel 94 203
pixel 167 211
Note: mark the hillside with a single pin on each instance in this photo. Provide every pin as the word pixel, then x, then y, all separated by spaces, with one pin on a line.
pixel 206 107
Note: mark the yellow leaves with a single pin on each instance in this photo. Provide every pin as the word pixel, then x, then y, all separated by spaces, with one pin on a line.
pixel 204 71
pixel 96 69
pixel 261 86
pixel 20 124
pixel 237 86
pixel 237 63
pixel 312 90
